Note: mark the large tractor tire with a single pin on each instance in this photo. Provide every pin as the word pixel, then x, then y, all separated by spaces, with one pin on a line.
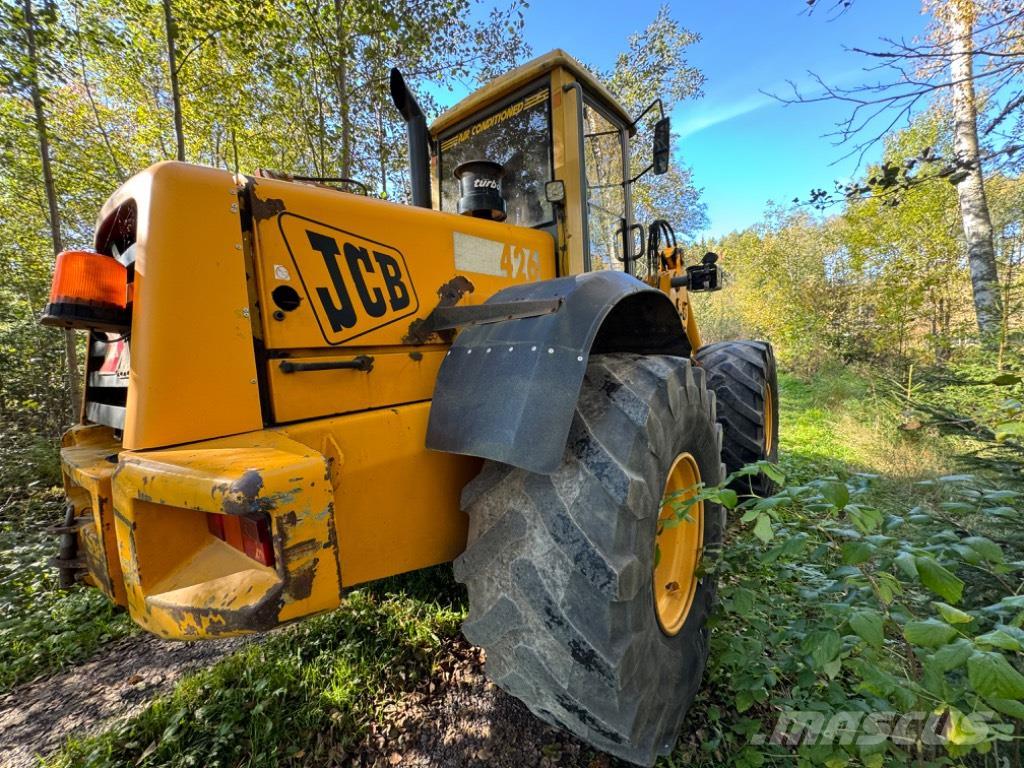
pixel 743 376
pixel 578 616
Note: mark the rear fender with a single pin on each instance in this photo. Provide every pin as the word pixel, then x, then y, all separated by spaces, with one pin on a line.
pixel 507 390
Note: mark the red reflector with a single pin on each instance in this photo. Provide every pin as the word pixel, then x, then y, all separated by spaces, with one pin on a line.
pixel 89 290
pixel 216 525
pixel 256 539
pixel 248 535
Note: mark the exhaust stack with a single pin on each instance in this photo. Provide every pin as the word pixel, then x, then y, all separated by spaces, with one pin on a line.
pixel 419 139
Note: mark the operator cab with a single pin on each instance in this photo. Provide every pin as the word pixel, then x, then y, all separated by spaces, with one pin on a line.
pixel 563 144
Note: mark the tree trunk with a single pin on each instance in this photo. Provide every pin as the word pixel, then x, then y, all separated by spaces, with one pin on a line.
pixel 974 213
pixel 172 66
pixel 380 152
pixel 70 349
pixel 341 83
pixel 1007 297
pixel 92 101
pixel 234 150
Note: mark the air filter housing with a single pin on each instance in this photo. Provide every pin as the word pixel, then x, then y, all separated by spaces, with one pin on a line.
pixel 480 190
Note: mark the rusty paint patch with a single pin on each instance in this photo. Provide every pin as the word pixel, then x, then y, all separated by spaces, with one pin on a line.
pixel 453 290
pixel 449 294
pixel 90 544
pixel 300 583
pixel 332 545
pixel 215 622
pixel 417 356
pixel 265 209
pixel 243 496
pixel 301 549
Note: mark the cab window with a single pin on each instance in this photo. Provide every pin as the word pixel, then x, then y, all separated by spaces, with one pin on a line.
pixel 516 134
pixel 606 191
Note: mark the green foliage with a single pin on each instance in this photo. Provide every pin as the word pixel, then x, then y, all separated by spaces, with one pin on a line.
pixel 777 286
pixel 34 403
pixel 978 399
pixel 42 629
pixel 654 65
pixel 857 593
pixel 806 628
pixel 902 259
pixel 885 279
pixel 28 460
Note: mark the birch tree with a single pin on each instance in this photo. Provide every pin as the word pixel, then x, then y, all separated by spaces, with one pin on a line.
pixel 654 65
pixel 971 58
pixel 957 19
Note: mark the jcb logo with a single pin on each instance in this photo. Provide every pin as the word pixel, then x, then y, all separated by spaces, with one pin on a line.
pixel 355 285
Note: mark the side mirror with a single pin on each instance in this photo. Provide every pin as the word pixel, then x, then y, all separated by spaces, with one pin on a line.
pixel 662 145
pixel 704 276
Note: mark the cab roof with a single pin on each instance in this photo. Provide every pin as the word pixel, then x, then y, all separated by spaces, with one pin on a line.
pixel 501 86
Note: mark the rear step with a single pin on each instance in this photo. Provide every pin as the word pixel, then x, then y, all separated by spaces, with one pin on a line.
pixel 67 562
pixel 57 530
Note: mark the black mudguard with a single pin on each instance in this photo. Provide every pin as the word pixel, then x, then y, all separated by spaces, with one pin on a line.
pixel 507 390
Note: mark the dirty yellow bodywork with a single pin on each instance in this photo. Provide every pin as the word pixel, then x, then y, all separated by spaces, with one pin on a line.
pixel 282 362
pixel 188 267
pixel 334 457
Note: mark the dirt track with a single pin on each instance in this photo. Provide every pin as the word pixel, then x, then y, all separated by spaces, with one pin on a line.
pixel 460 720
pixel 457 719
pixel 36 718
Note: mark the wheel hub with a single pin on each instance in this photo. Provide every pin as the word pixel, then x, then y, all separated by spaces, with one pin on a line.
pixel 678 547
pixel 769 424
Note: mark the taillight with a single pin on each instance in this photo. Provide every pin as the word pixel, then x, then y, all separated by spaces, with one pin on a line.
pixel 246 534
pixel 89 290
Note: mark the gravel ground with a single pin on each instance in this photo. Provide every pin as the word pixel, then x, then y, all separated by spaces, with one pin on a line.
pixel 36 718
pixel 461 720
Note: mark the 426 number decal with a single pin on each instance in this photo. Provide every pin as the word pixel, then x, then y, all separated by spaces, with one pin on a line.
pixel 520 263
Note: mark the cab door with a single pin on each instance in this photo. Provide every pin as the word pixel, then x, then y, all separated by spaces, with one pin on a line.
pixel 607 205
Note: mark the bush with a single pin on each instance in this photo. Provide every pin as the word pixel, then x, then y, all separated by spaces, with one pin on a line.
pixel 43 629
pixel 839 609
pixel 28 459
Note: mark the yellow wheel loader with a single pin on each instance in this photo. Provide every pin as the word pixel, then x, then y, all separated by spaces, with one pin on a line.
pixel 293 390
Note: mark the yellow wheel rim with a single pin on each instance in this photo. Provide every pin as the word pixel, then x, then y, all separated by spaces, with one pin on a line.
pixel 769 420
pixel 678 549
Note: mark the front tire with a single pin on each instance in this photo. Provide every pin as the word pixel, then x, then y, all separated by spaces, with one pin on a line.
pixel 744 378
pixel 560 568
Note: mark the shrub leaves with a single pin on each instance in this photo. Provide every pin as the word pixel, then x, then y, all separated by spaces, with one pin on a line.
pixel 939 580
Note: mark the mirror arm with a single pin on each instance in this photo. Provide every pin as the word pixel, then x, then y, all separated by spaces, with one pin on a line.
pixel 652 105
pixel 644 171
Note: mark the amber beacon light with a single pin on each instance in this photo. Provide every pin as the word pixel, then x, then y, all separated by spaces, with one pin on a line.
pixel 89 291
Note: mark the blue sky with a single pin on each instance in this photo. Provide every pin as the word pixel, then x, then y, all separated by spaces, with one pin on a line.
pixel 745 148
